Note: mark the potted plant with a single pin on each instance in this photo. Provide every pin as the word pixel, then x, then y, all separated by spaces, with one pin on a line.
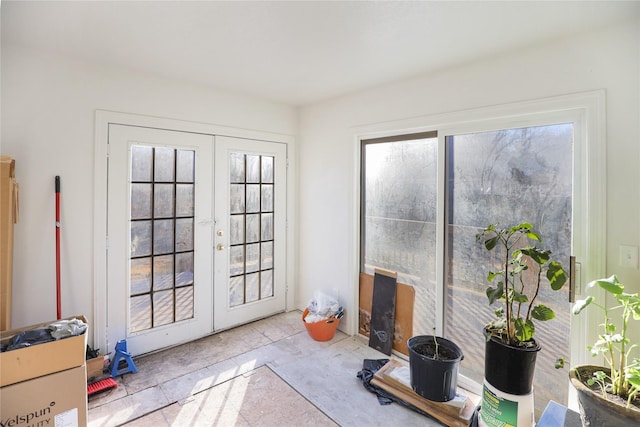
pixel 511 348
pixel 610 395
pixel 433 367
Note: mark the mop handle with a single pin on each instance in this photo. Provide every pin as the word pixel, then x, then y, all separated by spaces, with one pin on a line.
pixel 58 303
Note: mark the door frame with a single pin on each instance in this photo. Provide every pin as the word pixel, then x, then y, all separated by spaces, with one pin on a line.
pixel 103 119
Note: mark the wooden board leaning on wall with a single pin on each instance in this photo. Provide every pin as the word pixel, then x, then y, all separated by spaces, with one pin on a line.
pixel 405 296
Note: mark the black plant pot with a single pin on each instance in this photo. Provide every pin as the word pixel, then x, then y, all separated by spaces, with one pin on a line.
pixel 510 369
pixel 433 378
pixel 595 410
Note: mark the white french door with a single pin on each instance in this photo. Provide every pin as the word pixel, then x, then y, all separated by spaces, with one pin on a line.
pixel 250 225
pixel 160 227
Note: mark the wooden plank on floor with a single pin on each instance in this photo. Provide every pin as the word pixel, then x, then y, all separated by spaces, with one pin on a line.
pixel 443 412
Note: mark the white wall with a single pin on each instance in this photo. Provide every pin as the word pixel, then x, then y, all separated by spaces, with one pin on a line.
pixel 327 155
pixel 48 109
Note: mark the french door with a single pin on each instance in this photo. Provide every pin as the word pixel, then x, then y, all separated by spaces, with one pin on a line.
pixel 250 215
pixel 169 196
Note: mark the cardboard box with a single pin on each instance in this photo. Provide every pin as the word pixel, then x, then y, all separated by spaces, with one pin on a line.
pixel 95 367
pixel 8 217
pixel 41 359
pixel 58 399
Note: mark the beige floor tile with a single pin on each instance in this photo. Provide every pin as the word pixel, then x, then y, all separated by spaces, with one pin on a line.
pixel 268 373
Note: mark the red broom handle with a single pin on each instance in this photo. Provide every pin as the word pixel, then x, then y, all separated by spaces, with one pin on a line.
pixel 58 303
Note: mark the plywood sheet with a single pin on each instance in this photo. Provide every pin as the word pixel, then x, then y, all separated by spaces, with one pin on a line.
pixel 449 415
pixel 403 322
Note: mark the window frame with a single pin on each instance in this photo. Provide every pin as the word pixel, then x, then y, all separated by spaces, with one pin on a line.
pixel 587 113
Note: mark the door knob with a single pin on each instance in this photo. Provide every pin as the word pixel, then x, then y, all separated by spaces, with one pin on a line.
pixel 220 246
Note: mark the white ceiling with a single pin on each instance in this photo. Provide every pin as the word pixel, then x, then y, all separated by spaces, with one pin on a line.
pixel 297 52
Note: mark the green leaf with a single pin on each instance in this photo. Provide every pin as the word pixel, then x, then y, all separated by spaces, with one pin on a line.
pixel 495 293
pixel 610 284
pixel 491 243
pixel 540 256
pixel 556 275
pixel 582 304
pixel 533 236
pixel 524 329
pixel 542 312
pixel 560 363
pixel 523 227
pixel 634 379
pixel 518 297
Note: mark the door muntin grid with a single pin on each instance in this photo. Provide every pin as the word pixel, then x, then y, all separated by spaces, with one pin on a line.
pixel 161 261
pixel 251 234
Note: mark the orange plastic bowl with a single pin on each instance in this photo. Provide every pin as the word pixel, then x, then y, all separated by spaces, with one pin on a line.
pixel 323 330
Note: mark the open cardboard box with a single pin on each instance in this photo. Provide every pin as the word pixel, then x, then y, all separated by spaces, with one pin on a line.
pixel 95 367
pixel 42 359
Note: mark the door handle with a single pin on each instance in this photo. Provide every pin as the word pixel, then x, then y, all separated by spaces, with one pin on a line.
pixel 220 246
pixel 572 279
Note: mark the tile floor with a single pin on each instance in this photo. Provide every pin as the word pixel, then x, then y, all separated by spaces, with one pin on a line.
pixel 267 373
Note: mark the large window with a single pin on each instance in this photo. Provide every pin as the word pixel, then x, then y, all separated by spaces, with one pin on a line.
pixel 504 176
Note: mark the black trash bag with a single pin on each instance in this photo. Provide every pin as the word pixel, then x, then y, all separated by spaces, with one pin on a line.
pixel 370 367
pixel 29 338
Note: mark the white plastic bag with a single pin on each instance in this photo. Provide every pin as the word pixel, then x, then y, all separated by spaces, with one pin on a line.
pixel 321 307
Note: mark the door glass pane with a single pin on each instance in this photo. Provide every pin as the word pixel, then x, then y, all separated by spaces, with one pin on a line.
pixel 162 241
pixel 141 163
pixel 507 177
pixel 236 167
pixel 253 168
pixel 267 198
pixel 164 165
pixel 267 169
pixel 184 199
pixel 236 232
pixel 163 200
pixel 163 236
pixel 251 228
pixel 140 238
pixel 237 197
pixel 163 272
pixel 253 198
pixel 185 162
pixel 184 234
pixel 184 269
pixel 140 275
pixel 141 201
pixel 399 218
